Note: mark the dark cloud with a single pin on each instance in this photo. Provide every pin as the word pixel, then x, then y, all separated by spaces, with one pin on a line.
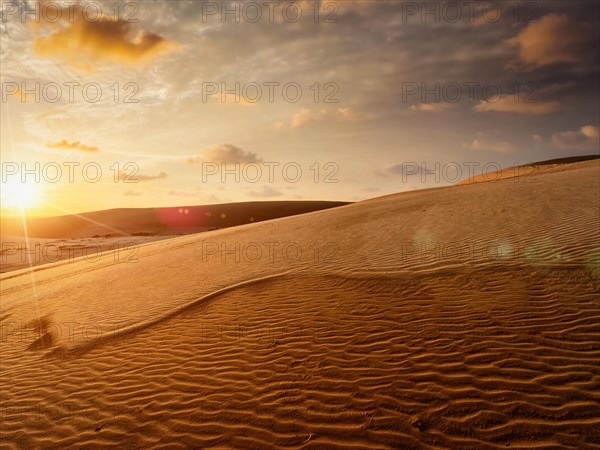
pixel 555 38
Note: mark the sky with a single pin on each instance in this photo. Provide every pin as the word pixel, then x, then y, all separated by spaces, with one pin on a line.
pixel 170 103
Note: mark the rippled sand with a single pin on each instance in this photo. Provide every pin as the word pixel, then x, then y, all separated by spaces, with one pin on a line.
pixel 460 317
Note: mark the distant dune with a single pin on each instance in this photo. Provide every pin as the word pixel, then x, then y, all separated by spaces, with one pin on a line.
pixel 528 172
pixel 89 235
pixel 461 317
pixel 152 221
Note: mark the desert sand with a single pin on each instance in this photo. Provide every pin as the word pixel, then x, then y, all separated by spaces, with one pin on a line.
pixel 458 317
pixel 32 242
pixel 528 173
pixel 155 221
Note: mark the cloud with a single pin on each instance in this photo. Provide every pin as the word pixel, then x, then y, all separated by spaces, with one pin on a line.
pixel 225 153
pixel 553 39
pixel 486 145
pixel 76 145
pixel 586 138
pixel 508 104
pixel 301 117
pixel 265 191
pixel 159 176
pixel 306 115
pixel 84 42
pixel 431 107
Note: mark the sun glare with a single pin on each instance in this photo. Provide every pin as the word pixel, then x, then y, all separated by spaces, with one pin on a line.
pixel 19 195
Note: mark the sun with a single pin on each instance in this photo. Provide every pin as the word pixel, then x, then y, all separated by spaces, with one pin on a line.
pixel 16 194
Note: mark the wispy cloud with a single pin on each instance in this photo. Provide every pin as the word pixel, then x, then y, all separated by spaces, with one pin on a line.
pixel 75 145
pixel 586 138
pixel 488 145
pixel 431 107
pixel 519 106
pixel 306 115
pixel 225 153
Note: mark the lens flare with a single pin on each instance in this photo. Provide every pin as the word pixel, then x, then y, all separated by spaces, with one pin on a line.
pixel 15 194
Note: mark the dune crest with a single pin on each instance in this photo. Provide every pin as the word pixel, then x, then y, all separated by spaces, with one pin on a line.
pixel 529 172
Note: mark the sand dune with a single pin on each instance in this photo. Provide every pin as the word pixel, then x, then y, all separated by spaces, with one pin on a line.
pixel 528 173
pixel 168 221
pixel 459 317
pixel 88 236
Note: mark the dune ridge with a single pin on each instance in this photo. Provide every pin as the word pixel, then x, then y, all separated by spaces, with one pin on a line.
pixel 460 317
pixel 166 220
pixel 530 171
